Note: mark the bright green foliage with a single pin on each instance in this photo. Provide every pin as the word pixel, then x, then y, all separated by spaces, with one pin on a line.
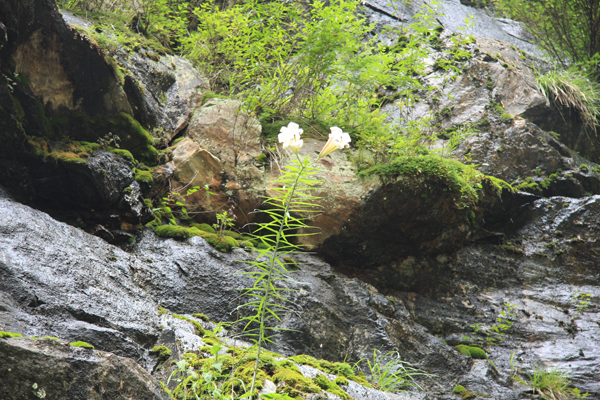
pixel 224 220
pixel 390 374
pixel 581 301
pixel 82 344
pixel 4 334
pixel 292 198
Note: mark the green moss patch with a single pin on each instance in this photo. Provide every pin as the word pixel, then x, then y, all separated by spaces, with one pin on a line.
pixel 471 351
pixel 4 334
pixel 122 152
pixel 201 316
pixel 204 227
pixel 222 244
pixel 332 387
pixel 334 368
pixel 464 393
pixel 173 231
pixel 162 352
pixel 144 178
pixel 68 152
pixel 82 344
pixel 460 177
pixel 134 138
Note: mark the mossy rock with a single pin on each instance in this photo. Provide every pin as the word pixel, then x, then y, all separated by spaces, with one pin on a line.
pixel 201 316
pixel 297 381
pixel 163 353
pixel 247 244
pixel 324 383
pixel 464 393
pixel 204 227
pixel 173 231
pixel 233 234
pixel 219 243
pixel 478 353
pixel 134 137
pixel 73 152
pixel 232 242
pixel 82 344
pixel 144 178
pixel 122 152
pixel 198 328
pixel 4 334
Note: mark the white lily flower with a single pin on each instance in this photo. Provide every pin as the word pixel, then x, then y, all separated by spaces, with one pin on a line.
pixel 290 137
pixel 338 139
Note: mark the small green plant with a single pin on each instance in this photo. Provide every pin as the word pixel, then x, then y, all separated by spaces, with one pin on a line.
pixel 225 220
pixel 390 374
pixel 581 301
pixel 550 384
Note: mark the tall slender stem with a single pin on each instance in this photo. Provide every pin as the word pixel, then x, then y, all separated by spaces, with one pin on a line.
pixel 267 284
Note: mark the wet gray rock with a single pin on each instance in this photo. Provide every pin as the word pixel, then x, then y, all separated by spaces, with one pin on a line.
pixel 547 259
pixel 57 280
pixel 47 368
pixel 164 91
pixel 192 277
pixel 451 14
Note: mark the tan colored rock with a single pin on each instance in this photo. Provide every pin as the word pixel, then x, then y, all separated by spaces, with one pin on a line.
pixel 222 127
pixel 195 166
pixel 38 59
pixel 340 193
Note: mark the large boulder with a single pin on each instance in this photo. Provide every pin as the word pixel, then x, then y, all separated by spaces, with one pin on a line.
pixel 48 368
pixel 59 281
pixel 225 129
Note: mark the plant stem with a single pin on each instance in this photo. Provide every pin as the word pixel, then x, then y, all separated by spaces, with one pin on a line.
pixel 267 284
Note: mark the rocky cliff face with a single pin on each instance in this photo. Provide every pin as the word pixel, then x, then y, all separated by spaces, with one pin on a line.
pixel 404 266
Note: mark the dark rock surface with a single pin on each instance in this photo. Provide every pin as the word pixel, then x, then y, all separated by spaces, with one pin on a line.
pixel 47 368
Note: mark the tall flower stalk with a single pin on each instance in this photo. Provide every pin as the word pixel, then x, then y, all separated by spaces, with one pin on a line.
pixel 287 210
